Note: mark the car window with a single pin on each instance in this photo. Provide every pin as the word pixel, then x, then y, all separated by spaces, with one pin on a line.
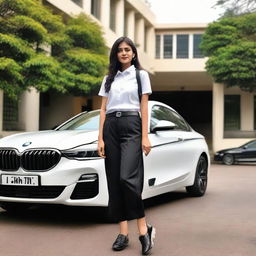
pixel 86 121
pixel 251 145
pixel 162 113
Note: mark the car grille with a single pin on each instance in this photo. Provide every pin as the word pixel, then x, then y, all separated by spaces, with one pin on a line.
pixel 9 160
pixel 85 190
pixel 31 192
pixel 31 160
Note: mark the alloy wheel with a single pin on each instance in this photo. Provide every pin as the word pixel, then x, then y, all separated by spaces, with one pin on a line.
pixel 201 178
pixel 228 159
pixel 202 174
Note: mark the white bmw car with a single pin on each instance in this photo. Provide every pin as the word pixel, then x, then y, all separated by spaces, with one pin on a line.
pixel 61 166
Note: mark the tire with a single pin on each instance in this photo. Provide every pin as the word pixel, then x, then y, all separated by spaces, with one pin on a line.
pixel 201 179
pixel 15 208
pixel 228 159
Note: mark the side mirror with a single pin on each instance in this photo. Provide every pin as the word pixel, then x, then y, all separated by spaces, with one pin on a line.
pixel 163 126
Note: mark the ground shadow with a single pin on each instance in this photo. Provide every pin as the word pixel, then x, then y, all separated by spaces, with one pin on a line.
pixel 236 163
pixel 165 198
pixel 57 215
pixel 77 216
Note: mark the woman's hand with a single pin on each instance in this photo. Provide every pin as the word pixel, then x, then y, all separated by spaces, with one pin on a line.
pixel 146 145
pixel 101 148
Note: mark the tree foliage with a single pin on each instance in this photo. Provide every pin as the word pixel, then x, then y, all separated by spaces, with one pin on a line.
pixel 230 44
pixel 29 30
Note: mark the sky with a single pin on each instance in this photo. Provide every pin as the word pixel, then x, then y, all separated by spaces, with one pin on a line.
pixel 184 11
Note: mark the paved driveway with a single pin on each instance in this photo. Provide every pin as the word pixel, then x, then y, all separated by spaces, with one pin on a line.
pixel 221 223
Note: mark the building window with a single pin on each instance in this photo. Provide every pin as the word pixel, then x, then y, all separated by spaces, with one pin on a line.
pixel 112 22
pixel 10 114
pixel 95 8
pixel 232 112
pixel 158 43
pixel 197 53
pixel 78 2
pixel 167 46
pixel 255 112
pixel 182 46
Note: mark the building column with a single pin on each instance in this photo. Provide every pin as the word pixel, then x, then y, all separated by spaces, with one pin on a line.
pixel 174 46
pixel 130 24
pixel 161 46
pixel 120 18
pixel 150 42
pixel 105 13
pixel 140 33
pixel 1 109
pixel 217 115
pixel 190 46
pixel 29 110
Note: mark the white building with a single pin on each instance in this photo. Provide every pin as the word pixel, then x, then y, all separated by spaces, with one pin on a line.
pixel 170 53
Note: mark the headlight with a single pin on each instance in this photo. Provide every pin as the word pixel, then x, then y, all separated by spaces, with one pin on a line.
pixel 85 152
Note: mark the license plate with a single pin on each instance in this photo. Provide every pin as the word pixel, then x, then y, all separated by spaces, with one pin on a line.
pixel 21 180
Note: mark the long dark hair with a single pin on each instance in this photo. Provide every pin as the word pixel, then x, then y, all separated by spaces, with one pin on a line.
pixel 115 65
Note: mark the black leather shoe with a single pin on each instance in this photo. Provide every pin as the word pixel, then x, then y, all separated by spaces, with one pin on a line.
pixel 147 241
pixel 120 243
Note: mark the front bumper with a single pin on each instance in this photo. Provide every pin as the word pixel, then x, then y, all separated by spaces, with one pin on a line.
pixel 62 185
pixel 218 157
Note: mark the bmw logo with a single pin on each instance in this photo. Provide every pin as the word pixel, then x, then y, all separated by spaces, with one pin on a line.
pixel 26 144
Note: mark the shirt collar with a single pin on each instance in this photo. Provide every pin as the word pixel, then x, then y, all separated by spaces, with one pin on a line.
pixel 128 70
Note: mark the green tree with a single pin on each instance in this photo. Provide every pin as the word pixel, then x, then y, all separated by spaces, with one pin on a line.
pixel 78 52
pixel 230 44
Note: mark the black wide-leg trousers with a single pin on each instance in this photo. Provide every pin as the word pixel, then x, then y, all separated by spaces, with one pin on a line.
pixel 124 166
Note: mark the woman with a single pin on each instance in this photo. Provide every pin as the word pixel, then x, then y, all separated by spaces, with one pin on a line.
pixel 123 135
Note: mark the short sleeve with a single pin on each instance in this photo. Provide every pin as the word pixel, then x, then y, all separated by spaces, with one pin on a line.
pixel 145 82
pixel 102 88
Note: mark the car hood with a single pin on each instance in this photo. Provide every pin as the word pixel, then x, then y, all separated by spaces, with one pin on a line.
pixel 49 139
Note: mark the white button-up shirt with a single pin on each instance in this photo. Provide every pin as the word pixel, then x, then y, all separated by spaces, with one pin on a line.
pixel 123 95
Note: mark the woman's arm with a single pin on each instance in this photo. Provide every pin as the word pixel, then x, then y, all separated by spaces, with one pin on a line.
pixel 146 146
pixel 101 144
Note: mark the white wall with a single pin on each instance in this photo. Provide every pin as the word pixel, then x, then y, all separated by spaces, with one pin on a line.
pixel 179 65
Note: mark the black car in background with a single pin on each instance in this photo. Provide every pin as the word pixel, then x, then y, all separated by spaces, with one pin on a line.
pixel 244 153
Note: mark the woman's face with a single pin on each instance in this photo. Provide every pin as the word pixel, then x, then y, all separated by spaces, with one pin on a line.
pixel 125 54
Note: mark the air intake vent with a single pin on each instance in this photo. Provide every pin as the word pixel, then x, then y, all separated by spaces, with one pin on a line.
pixel 85 190
pixel 31 192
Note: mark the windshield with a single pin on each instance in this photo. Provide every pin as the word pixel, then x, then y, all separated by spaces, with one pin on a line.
pixel 248 143
pixel 86 121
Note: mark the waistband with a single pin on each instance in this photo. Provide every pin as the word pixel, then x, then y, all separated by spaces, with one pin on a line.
pixel 123 113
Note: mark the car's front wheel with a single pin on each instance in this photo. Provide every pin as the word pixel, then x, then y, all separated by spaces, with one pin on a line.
pixel 228 159
pixel 201 178
pixel 15 208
